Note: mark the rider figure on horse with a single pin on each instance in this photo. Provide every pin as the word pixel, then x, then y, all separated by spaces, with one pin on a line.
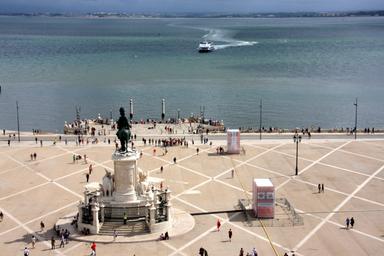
pixel 123 131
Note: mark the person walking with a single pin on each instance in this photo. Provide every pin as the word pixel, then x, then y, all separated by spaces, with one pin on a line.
pixel 254 252
pixel 352 222
pixel 322 187
pixel 93 247
pixel 230 235
pixel 233 173
pixel 319 187
pixel 114 235
pixel 203 252
pixel 42 226
pixel 62 241
pixel 66 236
pixel 241 253
pixel 53 242
pixel 87 176
pixel 34 156
pixel 347 221
pixel 161 169
pixel 125 218
pixel 197 151
pixel 33 241
pixel 90 169
pixel 1 216
pixel 174 160
pixel 218 224
pixel 26 251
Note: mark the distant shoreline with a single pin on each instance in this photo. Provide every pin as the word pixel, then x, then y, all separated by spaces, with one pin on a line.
pixel 326 14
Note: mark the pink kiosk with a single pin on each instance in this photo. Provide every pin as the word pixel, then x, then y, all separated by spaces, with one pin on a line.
pixel 263 201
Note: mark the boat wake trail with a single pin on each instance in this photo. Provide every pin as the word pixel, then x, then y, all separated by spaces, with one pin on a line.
pixel 226 39
pixel 221 38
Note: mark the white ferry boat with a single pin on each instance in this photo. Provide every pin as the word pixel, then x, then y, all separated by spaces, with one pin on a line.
pixel 206 46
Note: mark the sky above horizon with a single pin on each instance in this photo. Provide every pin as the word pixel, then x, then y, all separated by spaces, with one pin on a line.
pixel 169 6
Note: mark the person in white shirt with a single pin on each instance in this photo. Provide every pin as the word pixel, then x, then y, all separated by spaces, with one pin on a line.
pixel 26 251
pixel 33 241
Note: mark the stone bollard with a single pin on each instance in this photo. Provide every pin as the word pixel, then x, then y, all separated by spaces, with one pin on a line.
pixel 102 212
pixel 95 215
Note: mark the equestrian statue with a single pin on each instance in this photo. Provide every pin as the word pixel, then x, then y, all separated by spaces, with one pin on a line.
pixel 123 131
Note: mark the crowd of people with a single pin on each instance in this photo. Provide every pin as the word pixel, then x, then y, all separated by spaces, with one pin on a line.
pixel 165 142
pixel 308 131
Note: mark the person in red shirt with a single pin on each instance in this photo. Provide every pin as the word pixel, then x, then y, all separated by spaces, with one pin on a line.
pixel 93 246
pixel 218 224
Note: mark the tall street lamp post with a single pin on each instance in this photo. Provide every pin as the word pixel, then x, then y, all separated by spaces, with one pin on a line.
pixel 18 121
pixel 297 139
pixel 261 113
pixel 355 104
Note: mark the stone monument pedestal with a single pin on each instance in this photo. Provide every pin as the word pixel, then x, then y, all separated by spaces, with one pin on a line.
pixel 124 196
pixel 125 166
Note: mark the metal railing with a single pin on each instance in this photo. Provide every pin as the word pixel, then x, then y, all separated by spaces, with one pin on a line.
pixel 289 217
pixel 87 217
pixel 132 213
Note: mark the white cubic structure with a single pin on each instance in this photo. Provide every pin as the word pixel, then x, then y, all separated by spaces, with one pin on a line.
pixel 233 141
pixel 263 201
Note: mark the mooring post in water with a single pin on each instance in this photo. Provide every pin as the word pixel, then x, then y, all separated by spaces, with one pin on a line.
pixel 162 109
pixel 130 109
pixel 78 109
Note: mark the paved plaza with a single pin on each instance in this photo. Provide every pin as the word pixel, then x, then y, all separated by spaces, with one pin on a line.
pixel 51 186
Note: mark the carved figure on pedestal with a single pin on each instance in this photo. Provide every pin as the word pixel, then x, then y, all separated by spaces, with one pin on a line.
pixel 123 131
pixel 151 195
pixel 108 183
pixel 142 184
